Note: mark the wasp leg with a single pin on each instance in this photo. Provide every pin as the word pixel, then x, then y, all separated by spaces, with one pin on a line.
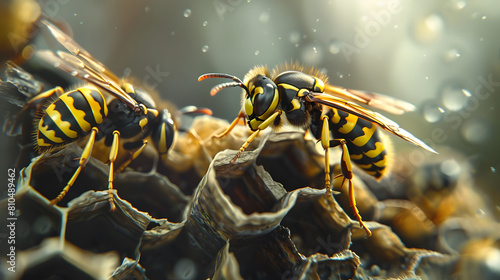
pixel 133 155
pixel 345 167
pixel 112 157
pixel 325 142
pixel 262 126
pixel 84 158
pixel 241 115
pixel 352 202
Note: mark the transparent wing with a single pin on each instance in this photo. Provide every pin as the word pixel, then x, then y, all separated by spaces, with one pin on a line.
pixel 375 100
pixel 374 117
pixel 80 63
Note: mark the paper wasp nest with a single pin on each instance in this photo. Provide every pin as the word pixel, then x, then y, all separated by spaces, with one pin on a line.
pixel 265 217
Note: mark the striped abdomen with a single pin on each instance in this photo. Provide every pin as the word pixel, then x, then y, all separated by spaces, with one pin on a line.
pixel 71 117
pixel 363 141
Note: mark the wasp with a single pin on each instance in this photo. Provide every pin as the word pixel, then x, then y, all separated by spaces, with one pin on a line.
pixel 303 98
pixel 108 113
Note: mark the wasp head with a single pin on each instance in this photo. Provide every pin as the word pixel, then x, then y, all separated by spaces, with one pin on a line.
pixel 160 123
pixel 260 96
pixel 261 100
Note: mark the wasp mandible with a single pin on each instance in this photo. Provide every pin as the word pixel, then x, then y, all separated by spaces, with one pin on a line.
pixel 302 98
pixel 109 113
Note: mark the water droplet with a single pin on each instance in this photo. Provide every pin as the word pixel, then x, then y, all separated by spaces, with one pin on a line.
pixel 314 30
pixel 205 23
pixel 334 47
pixel 75 14
pixel 426 77
pixel 294 37
pixel 459 4
pixel 116 27
pixel 441 110
pixel 205 48
pixel 483 17
pixel 450 167
pixel 476 131
pixel 264 17
pixel 187 13
pixel 146 9
pixel 451 54
pixel 493 169
pixel 86 76
pixel 466 93
pixel 81 22
pixel 74 73
pixel 257 52
pixel 453 97
pixel 480 212
pixel 312 55
pixel 429 28
pixel 432 113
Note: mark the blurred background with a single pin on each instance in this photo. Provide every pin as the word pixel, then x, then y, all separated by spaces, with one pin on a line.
pixel 442 56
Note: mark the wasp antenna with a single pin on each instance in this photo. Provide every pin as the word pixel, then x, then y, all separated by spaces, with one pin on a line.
pixel 219 75
pixel 237 82
pixel 194 110
pixel 218 88
pixel 206 76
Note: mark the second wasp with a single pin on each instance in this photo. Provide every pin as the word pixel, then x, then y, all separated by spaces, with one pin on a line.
pixel 113 117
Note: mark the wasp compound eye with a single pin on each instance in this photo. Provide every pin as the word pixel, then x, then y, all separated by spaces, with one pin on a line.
pixel 263 99
pixel 164 133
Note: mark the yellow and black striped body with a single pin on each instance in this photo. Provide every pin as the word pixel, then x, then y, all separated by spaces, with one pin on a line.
pixel 366 148
pixel 120 124
pixel 116 130
pixel 364 142
pixel 287 92
pixel 71 117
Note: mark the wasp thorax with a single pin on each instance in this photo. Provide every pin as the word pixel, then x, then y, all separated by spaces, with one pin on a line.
pixel 261 101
